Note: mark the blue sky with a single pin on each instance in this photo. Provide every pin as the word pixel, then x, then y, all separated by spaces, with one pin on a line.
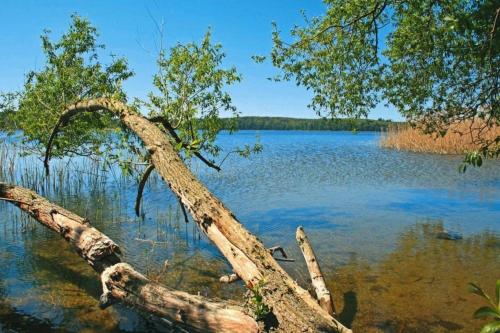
pixel 128 29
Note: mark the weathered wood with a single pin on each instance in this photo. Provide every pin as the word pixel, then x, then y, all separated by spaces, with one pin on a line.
pixel 317 279
pixel 120 281
pixel 295 309
pixel 93 246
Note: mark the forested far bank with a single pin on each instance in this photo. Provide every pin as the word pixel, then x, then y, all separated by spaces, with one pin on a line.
pixel 286 123
pixel 321 124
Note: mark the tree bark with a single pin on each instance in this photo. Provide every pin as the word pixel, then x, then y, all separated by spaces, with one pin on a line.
pixel 317 280
pixel 195 313
pixel 295 309
pixel 120 281
pixel 96 248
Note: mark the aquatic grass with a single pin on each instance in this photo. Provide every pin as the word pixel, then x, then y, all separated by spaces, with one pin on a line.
pixel 460 139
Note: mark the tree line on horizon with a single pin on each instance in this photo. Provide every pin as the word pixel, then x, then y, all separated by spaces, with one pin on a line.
pixel 320 124
pixel 286 123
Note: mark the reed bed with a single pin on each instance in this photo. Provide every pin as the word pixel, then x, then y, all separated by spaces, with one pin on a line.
pixel 461 138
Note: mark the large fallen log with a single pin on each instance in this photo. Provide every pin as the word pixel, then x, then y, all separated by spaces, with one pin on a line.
pixel 195 313
pixel 120 281
pixel 96 248
pixel 317 280
pixel 294 308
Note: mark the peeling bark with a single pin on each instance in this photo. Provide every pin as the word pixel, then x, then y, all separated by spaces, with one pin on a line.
pixel 93 246
pixel 120 281
pixel 295 309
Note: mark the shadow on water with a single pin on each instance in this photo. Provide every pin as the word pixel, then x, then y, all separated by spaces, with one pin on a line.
pixel 350 308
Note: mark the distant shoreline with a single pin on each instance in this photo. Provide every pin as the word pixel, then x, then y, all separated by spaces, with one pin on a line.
pixel 322 124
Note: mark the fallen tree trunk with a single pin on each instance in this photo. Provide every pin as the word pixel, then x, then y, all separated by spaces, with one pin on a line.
pixel 317 280
pixel 93 246
pixel 295 309
pixel 120 281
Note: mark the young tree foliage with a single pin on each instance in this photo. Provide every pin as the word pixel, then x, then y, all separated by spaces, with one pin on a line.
pixel 437 62
pixel 72 72
pixel 191 96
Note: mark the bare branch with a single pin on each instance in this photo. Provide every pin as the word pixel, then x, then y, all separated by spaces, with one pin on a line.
pixel 184 213
pixel 140 189
pixel 166 124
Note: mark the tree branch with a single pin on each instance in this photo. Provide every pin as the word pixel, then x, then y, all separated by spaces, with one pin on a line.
pixel 166 124
pixel 140 189
pixel 294 308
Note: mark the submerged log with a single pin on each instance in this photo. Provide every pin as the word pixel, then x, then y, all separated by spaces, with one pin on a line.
pixel 317 279
pixel 294 308
pixel 120 281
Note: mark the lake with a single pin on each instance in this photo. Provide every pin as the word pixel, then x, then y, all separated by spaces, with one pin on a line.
pixel 372 216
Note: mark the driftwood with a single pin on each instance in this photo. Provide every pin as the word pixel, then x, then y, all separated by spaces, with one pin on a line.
pixel 294 308
pixel 317 280
pixel 93 246
pixel 120 281
pixel 229 278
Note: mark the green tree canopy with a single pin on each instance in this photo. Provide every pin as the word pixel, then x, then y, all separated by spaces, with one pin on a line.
pixel 191 93
pixel 437 62
pixel 72 72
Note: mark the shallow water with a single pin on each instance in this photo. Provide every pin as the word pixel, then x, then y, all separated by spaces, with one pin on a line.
pixel 371 214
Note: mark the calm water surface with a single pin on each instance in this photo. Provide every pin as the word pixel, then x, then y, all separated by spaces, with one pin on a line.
pixel 372 215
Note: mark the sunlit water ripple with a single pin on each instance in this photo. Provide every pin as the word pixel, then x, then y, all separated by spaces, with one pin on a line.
pixel 368 212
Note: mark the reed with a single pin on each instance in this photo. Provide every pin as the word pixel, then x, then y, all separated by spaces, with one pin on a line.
pixel 461 138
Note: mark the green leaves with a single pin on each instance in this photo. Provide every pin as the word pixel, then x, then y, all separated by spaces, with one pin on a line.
pixel 256 300
pixel 475 289
pixel 336 57
pixel 191 93
pixel 497 290
pixel 492 311
pixel 486 311
pixel 437 62
pixel 493 327
pixel 72 72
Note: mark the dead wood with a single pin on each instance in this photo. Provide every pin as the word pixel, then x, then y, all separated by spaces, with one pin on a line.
pixel 120 281
pixel 294 308
pixel 317 279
